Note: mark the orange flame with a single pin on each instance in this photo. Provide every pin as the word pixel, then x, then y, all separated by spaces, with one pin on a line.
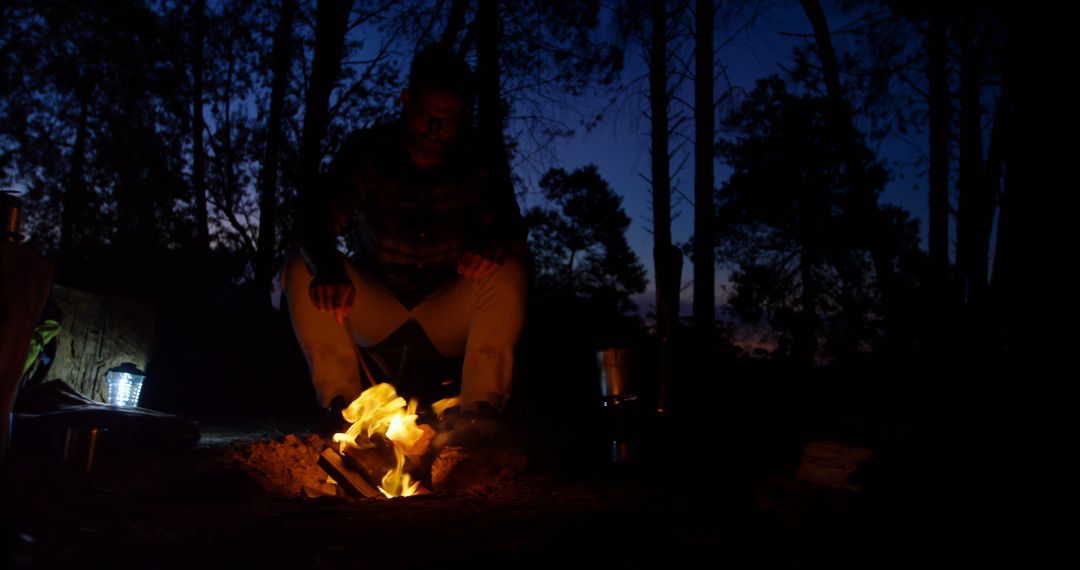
pixel 379 410
pixel 442 405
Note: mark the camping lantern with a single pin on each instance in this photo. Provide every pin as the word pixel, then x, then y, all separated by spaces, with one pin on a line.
pixel 125 384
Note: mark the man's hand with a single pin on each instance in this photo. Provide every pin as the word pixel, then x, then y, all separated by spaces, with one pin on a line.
pixel 333 297
pixel 472 264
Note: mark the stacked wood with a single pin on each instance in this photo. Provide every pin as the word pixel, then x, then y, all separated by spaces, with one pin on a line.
pixel 360 470
pixel 334 464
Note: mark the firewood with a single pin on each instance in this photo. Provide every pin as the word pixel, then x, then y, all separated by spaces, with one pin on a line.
pixel 371 462
pixel 333 463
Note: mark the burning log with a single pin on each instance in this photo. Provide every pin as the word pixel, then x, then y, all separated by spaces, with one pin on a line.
pixel 371 462
pixel 334 464
pixel 384 447
pixel 360 470
pixel 382 439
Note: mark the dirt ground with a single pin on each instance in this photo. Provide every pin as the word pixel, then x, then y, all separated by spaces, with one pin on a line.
pixel 250 495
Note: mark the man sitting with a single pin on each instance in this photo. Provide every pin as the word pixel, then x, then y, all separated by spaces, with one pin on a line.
pixel 440 242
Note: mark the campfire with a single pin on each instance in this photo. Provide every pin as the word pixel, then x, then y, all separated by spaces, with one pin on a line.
pixel 381 445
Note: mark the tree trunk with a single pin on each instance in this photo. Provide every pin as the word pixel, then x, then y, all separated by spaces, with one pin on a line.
pixel 661 190
pixel 282 58
pixel 938 75
pixel 804 344
pixel 1018 277
pixel 992 194
pixel 704 254
pixel 1003 262
pixel 848 137
pixel 454 22
pixel 198 151
pixel 971 251
pixel 228 163
pixel 137 232
pixel 490 115
pixel 72 215
pixel 331 23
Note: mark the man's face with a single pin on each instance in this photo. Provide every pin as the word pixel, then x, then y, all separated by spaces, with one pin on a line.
pixel 432 119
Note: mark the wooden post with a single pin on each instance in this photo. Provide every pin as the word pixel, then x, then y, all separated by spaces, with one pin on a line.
pixel 25 277
pixel 24 289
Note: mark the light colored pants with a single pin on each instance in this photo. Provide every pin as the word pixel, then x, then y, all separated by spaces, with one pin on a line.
pixel 480 318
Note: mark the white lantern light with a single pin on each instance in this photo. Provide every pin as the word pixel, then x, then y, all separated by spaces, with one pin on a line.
pixel 125 384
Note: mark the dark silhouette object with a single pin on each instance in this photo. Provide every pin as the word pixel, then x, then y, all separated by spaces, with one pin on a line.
pixel 788 220
pixel 579 246
pixel 667 312
pixel 24 289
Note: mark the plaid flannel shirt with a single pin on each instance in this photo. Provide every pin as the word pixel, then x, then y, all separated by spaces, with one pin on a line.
pixel 409 226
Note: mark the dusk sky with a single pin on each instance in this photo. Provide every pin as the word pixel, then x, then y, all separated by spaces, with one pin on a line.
pixel 620 144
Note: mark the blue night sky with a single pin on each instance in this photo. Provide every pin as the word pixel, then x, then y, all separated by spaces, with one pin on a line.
pixel 619 146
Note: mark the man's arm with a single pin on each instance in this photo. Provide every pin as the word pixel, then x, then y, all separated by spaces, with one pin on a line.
pixel 322 213
pixel 499 231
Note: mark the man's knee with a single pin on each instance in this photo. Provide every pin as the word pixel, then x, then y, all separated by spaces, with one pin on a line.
pixel 511 276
